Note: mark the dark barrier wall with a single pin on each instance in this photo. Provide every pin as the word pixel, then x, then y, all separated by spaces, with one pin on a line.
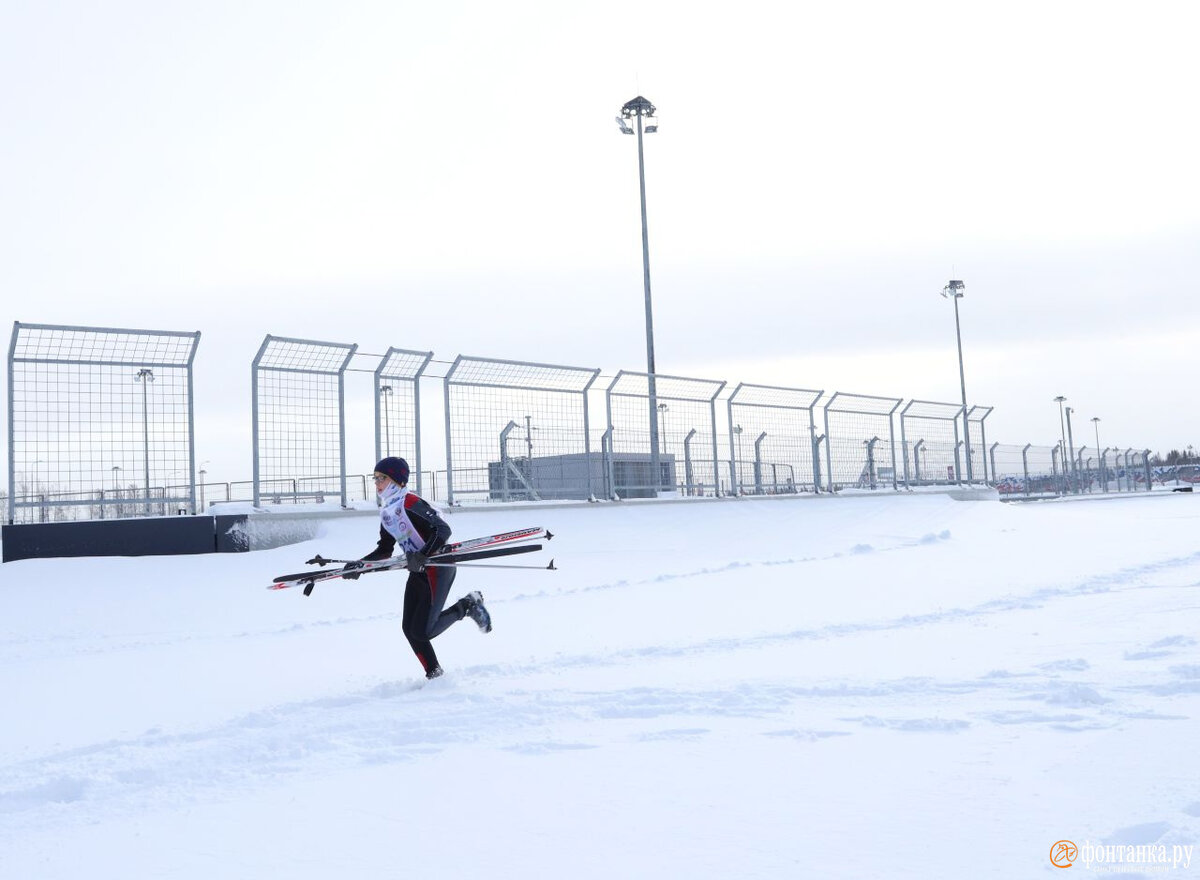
pixel 153 536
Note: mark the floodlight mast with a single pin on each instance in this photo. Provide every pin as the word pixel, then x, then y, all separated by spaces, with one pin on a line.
pixel 1062 425
pixel 638 108
pixel 954 290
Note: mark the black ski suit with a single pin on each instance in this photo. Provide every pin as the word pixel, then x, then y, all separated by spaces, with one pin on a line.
pixel 426 592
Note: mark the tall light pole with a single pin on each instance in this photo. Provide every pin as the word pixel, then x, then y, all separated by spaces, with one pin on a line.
pixel 1062 426
pixel 1099 454
pixel 954 290
pixel 639 107
pixel 1071 446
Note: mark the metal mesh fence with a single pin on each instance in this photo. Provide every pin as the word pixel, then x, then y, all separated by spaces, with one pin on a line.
pixel 979 467
pixel 299 433
pixel 1025 471
pixel 1125 466
pixel 688 460
pixel 1139 476
pixel 778 426
pixel 517 431
pixel 101 426
pixel 398 408
pixel 100 422
pixel 930 442
pixel 859 441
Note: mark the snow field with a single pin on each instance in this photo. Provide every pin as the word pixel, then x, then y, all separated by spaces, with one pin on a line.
pixel 857 686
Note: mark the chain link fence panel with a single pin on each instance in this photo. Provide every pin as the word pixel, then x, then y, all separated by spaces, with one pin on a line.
pixel 100 423
pixel 298 405
pixel 687 431
pixel 518 431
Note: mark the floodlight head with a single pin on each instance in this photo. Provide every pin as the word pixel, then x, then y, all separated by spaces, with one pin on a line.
pixel 954 288
pixel 625 129
pixel 639 106
pixel 650 129
pixel 1060 399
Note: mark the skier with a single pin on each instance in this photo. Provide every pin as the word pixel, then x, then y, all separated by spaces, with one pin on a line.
pixel 411 522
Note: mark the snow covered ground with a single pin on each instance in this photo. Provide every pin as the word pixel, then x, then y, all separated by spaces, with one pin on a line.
pixel 893 686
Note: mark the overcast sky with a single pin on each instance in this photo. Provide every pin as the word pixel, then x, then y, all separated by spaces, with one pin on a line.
pixel 449 177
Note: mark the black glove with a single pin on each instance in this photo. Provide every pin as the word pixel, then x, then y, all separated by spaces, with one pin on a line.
pixel 415 561
pixel 350 573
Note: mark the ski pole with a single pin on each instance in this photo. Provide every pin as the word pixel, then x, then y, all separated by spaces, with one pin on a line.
pixel 550 567
pixel 321 560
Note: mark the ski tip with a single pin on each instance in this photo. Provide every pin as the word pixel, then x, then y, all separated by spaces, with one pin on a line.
pixel 551 566
pixel 549 534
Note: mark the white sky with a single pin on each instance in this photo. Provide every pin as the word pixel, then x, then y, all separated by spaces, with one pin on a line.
pixel 449 177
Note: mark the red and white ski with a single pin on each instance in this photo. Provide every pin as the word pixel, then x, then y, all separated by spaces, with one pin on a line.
pixel 459 551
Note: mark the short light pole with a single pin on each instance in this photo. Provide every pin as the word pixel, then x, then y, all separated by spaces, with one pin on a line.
pixel 954 290
pixel 203 476
pixel 116 469
pixel 1100 455
pixel 638 108
pixel 529 429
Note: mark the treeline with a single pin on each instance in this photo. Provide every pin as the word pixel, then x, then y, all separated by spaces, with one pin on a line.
pixel 1176 456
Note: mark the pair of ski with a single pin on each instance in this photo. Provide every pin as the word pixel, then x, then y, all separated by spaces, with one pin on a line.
pixel 487 547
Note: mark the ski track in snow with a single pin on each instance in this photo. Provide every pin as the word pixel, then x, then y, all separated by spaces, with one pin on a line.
pixel 403 720
pixel 92 644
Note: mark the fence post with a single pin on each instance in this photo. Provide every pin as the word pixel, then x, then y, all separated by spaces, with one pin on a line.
pixel 816 454
pixel 872 482
pixel 449 438
pixel 892 442
pixel 828 453
pixel 688 476
pixel 758 483
pixel 1024 465
pixel 606 456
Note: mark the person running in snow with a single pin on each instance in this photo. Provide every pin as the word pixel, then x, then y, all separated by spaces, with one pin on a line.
pixel 412 522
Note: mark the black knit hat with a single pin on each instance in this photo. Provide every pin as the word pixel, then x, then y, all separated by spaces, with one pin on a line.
pixel 396 468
